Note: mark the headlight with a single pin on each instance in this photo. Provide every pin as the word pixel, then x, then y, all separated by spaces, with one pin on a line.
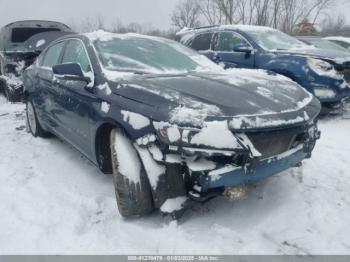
pixel 324 92
pixel 174 135
pixel 322 68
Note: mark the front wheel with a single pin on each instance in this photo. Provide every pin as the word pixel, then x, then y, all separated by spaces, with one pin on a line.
pixel 132 188
pixel 32 121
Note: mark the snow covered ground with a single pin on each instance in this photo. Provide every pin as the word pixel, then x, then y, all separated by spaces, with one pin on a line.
pixel 53 201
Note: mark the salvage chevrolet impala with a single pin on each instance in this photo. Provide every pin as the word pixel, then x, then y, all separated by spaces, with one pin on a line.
pixel 169 124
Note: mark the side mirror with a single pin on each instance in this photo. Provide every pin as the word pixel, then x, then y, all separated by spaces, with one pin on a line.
pixel 243 49
pixel 70 71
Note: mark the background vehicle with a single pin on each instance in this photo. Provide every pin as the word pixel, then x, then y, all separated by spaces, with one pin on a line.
pixel 167 122
pixel 16 53
pixel 341 41
pixel 321 72
pixel 325 44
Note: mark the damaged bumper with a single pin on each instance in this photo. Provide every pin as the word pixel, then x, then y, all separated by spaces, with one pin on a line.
pixel 231 176
pixel 207 170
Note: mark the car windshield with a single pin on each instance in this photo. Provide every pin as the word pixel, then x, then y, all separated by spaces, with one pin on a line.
pixel 275 40
pixel 325 44
pixel 149 55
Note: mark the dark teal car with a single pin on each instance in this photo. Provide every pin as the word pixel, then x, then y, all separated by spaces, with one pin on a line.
pixel 322 72
pixel 169 124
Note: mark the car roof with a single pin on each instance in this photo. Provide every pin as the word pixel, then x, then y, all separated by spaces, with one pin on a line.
pixel 339 38
pixel 104 35
pixel 225 27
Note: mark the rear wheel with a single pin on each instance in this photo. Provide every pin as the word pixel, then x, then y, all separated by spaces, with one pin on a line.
pixel 132 188
pixel 32 121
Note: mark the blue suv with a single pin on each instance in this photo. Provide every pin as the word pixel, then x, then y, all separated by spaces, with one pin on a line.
pixel 319 71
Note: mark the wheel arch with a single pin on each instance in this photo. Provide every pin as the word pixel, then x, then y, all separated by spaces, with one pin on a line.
pixel 102 145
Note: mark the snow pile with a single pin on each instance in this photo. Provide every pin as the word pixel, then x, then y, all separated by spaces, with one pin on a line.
pixel 173 134
pixel 40 43
pixel 217 135
pixel 137 121
pixel 193 112
pixel 105 107
pixel 152 168
pixel 200 165
pixel 105 88
pixel 262 122
pixel 173 204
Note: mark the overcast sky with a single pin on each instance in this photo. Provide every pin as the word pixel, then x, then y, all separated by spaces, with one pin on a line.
pixel 154 12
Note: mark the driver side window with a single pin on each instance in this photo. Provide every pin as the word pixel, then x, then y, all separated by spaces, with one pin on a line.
pixel 52 55
pixel 75 53
pixel 226 41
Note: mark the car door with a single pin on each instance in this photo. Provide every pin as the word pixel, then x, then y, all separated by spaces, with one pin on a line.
pixel 225 43
pixel 76 100
pixel 46 96
pixel 203 44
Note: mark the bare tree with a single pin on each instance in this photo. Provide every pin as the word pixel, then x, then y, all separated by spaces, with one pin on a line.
pixel 210 11
pixel 296 11
pixel 229 9
pixel 186 14
pixel 335 26
pixel 276 6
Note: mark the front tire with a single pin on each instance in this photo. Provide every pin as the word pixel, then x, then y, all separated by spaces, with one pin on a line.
pixel 132 188
pixel 32 120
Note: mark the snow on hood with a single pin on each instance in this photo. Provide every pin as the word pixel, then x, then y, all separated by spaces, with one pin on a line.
pixel 249 98
pixel 333 55
pixel 339 38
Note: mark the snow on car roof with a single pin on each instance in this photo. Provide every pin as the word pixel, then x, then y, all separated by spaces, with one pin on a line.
pixel 339 38
pixel 223 27
pixel 106 36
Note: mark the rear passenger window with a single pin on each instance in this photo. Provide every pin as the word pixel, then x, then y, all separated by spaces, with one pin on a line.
pixel 52 55
pixel 202 42
pixel 228 40
pixel 75 53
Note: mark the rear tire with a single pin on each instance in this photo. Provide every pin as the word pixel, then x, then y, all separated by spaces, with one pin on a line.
pixel 32 121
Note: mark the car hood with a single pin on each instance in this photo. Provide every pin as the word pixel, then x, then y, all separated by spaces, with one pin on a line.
pixel 245 95
pixel 337 57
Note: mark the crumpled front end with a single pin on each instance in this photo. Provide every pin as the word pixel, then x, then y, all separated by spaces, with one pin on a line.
pixel 11 79
pixel 202 163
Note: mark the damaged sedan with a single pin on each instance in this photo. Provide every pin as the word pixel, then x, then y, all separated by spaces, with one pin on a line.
pixel 170 125
pixel 20 43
